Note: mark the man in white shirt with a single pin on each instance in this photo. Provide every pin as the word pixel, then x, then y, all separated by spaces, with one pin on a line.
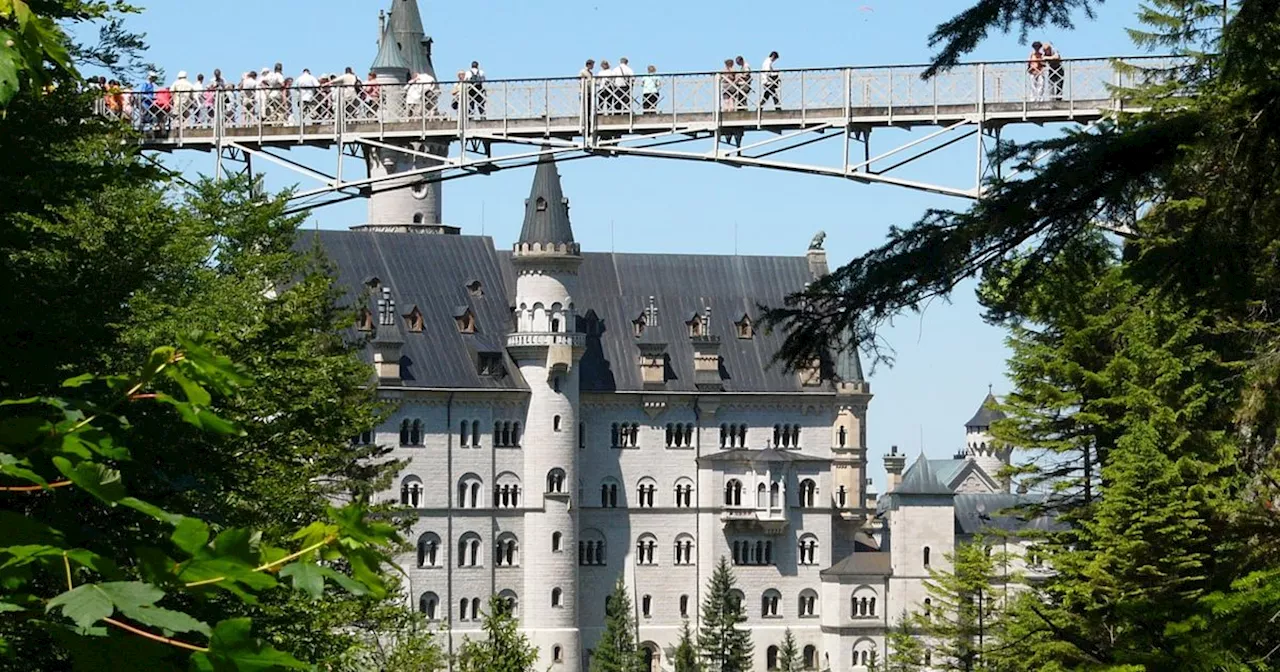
pixel 424 95
pixel 772 82
pixel 623 80
pixel 182 97
pixel 307 85
pixel 477 96
pixel 249 96
pixel 606 93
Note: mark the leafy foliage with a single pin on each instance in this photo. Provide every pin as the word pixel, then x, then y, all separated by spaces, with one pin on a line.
pixel 724 647
pixel 617 650
pixel 504 649
pixel 61 446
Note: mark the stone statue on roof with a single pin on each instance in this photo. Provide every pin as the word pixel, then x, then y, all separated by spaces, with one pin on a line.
pixel 818 239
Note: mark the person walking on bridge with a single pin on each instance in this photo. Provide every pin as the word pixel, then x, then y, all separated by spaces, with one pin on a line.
pixel 650 90
pixel 307 85
pixel 183 97
pixel 623 81
pixel 770 82
pixel 476 97
pixel 744 83
pixel 1035 68
pixel 604 88
pixel 1053 70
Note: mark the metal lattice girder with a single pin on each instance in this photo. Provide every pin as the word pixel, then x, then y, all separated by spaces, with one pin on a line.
pixel 694 116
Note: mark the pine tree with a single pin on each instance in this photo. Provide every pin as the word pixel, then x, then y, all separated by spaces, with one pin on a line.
pixel 686 656
pixel 504 649
pixel 906 653
pixel 617 650
pixel 964 619
pixel 789 653
pixel 724 646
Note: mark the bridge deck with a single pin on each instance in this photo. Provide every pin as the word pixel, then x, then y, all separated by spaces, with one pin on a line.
pixel 566 108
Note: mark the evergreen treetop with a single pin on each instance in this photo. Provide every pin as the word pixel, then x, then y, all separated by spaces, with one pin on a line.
pixel 723 645
pixel 617 650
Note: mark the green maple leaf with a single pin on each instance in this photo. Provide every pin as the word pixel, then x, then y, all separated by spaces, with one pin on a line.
pixel 232 648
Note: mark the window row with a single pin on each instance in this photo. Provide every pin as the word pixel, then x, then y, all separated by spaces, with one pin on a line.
pixel 413 433
pixel 786 436
pixel 771 496
pixel 624 435
pixel 809 657
pixel 646 493
pixel 759 552
pixel 679 435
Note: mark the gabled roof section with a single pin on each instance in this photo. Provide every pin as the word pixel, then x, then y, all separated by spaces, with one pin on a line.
pixel 878 563
pixel 999 512
pixel 405 26
pixel 546 212
pixel 921 480
pixel 848 363
pixel 389 56
pixel 988 413
pixel 745 456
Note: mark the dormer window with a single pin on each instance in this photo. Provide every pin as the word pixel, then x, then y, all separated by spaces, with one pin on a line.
pixel 639 324
pixel 491 364
pixel 413 320
pixel 466 321
pixel 696 327
pixel 373 282
pixel 364 321
pixel 474 288
pixel 746 329
pixel 540 205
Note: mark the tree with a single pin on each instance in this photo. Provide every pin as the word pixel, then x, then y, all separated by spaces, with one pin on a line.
pixel 723 645
pixel 617 650
pixel 128 607
pixel 789 659
pixel 906 653
pixel 964 620
pixel 504 649
pixel 686 656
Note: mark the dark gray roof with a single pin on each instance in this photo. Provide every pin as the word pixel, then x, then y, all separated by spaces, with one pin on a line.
pixel 614 289
pixel 431 272
pixel 546 211
pixel 746 456
pixel 848 362
pixel 861 564
pixel 988 413
pixel 405 25
pixel 389 55
pixel 920 480
pixel 996 512
pixel 947 470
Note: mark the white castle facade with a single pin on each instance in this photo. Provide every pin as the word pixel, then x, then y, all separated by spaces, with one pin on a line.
pixel 571 418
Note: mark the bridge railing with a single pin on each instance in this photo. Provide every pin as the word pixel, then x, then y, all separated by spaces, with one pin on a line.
pixel 575 104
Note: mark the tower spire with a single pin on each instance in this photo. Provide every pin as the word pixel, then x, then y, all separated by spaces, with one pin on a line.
pixel 546 212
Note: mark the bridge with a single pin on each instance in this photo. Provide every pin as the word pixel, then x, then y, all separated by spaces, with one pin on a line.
pixel 718 117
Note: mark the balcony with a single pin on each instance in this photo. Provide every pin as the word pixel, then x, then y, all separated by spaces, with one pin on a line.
pixel 747 518
pixel 545 339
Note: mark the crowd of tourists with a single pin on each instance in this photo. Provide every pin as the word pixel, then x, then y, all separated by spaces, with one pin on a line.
pixel 270 96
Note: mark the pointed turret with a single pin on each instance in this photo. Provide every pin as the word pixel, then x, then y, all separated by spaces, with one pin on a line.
pixel 546 226
pixel 405 26
pixel 983 448
pixel 390 61
pixel 921 480
pixel 988 413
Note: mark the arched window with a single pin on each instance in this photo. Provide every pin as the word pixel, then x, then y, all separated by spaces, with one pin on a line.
pixel 810 657
pixel 555 480
pixel 808 603
pixel 469 550
pixel 646 491
pixel 684 493
pixel 769 603
pixel 647 550
pixel 506 494
pixel 651 657
pixel 463 606
pixel 464 433
pixel 591 549
pixel 807 550
pixel 405 427
pixel 415 433
pixel 615 434
pixel 926 557
pixel 684 550
pixel 506 552
pixel 475 433
pixel 557 542
pixel 411 492
pixel 609 493
pixel 808 493
pixel 469 492
pixel 871 608
pixel 684 606
pixel 555 424
pixel 557 654
pixel 762 496
pixel 771 658
pixel 646 606
pixel 736 598
pixel 512 601
pixel 429 550
pixel 928 607
pixel 429 605
pixel 775 492
pixel 475 608
pixel 733 492
pixel 557 597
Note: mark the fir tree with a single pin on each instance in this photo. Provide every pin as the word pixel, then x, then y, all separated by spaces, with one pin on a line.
pixel 504 649
pixel 906 653
pixel 724 646
pixel 789 659
pixel 686 656
pixel 617 650
pixel 964 619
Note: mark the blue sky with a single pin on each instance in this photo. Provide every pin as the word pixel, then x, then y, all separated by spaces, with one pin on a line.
pixel 945 358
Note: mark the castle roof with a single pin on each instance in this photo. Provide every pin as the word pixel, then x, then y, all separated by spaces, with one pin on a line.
pixel 436 273
pixel 405 26
pixel 389 55
pixel 848 363
pixel 746 456
pixel 920 479
pixel 546 211
pixel 987 414
pixel 878 563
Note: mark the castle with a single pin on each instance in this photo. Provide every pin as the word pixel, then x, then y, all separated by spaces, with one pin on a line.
pixel 573 417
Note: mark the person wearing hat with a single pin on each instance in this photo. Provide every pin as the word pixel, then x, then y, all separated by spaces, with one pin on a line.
pixel 249 96
pixel 146 104
pixel 182 91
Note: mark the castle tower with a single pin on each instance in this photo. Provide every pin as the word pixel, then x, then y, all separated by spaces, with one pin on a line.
pixel 849 433
pixel 921 534
pixel 410 204
pixel 547 348
pixel 983 448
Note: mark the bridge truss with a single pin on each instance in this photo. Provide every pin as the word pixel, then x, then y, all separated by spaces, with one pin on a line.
pixel 727 118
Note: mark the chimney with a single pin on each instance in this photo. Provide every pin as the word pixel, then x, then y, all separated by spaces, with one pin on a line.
pixel 653 365
pixel 817 256
pixel 388 342
pixel 706 357
pixel 894 464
